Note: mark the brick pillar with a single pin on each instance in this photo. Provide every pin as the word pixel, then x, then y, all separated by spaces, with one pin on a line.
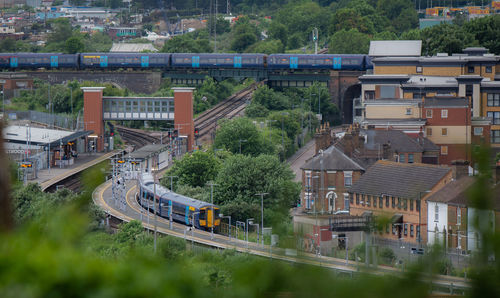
pixel 183 113
pixel 92 113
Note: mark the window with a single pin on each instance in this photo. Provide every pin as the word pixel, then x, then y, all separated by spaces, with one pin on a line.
pixel 436 213
pixel 495 117
pixel 399 203
pixel 346 201
pixel 387 201
pixel 357 199
pixel 369 95
pixel 493 100
pixel 495 136
pixel 478 131
pixel 470 69
pixel 459 216
pixel 406 229
pixel 488 69
pixel 405 204
pixel 444 131
pixel 418 205
pixel 429 131
pixel 410 158
pixel 411 230
pixel 444 150
pixel 388 91
pixel 381 202
pixel 393 202
pixel 418 232
pixel 368 200
pixel 402 158
pixel 444 113
pixel 375 201
pixel 348 178
pixel 428 113
pixel 351 198
pixel 411 205
pixel 362 199
pixel 408 111
pixel 419 69
pixel 394 229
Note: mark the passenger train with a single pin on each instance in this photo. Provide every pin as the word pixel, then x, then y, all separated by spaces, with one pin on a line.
pixel 174 61
pixel 184 209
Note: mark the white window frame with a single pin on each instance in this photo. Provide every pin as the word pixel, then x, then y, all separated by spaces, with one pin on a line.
pixel 436 213
pixel 428 113
pixel 443 150
pixel 408 111
pixel 444 129
pixel 478 131
pixel 459 216
pixel 444 113
pixel 347 174
pixel 347 202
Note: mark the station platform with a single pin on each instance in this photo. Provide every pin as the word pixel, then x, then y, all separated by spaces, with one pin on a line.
pixel 47 178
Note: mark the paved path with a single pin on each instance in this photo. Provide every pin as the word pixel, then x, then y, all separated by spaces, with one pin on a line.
pixel 300 157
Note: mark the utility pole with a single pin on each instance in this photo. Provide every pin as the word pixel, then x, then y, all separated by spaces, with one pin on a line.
pixel 315 39
pixel 172 182
pixel 154 203
pixel 262 194
pixel 211 184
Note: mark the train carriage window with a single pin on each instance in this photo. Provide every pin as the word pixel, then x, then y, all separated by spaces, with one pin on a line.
pixel 203 214
pixel 212 60
pixel 221 61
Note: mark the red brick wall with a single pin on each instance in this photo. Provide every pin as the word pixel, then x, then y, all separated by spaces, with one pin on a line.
pixel 456 116
pixel 92 115
pixel 455 152
pixel 183 117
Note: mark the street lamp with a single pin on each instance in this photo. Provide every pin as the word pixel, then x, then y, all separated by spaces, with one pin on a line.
pixel 238 224
pixel 211 184
pixel 242 141
pixel 419 239
pixel 262 194
pixel 249 222
pixel 229 217
pixel 192 229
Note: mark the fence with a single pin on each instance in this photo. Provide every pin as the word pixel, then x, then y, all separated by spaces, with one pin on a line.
pixel 52 120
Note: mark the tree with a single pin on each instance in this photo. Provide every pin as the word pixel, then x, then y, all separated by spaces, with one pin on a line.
pixel 486 31
pixel 270 99
pixel 187 43
pixel 74 45
pixel 349 18
pixel 349 42
pixel 267 47
pixel 278 31
pixel 243 41
pixel 61 31
pixel 194 169
pixel 232 131
pixel 256 110
pixel 445 38
pixel 241 177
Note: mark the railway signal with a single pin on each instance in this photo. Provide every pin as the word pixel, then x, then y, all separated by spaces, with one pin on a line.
pixel 196 132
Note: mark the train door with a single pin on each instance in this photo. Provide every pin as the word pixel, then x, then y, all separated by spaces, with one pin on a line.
pixel 144 61
pixel 195 61
pixel 210 217
pixel 103 61
pixel 237 62
pixel 294 62
pixel 337 62
pixel 187 215
pixel 13 62
pixel 54 61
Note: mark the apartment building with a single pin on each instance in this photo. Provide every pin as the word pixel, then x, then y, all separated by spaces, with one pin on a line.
pixel 393 96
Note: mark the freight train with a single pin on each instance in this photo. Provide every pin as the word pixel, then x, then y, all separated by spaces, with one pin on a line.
pixel 183 209
pixel 166 61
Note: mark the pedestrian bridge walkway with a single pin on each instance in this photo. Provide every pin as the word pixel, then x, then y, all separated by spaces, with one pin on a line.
pixel 138 108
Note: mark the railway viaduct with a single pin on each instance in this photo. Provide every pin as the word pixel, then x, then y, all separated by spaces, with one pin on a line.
pixel 136 81
pixel 343 85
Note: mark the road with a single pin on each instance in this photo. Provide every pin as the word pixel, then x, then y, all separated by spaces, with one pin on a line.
pixel 102 197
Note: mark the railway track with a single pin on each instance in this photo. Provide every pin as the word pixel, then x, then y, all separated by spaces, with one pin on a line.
pixel 232 106
pixel 137 138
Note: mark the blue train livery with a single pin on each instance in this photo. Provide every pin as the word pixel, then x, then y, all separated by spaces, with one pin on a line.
pixel 124 60
pixel 323 61
pixel 184 209
pixel 218 60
